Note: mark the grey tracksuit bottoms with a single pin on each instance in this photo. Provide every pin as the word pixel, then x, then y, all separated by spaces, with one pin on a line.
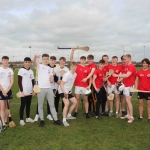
pixel 48 93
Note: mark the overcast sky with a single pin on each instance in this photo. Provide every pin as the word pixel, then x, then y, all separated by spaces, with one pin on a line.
pixel 111 27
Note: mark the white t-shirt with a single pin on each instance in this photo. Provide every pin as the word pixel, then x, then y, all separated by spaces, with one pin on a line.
pixel 69 79
pixel 5 76
pixel 27 77
pixel 59 75
pixel 44 74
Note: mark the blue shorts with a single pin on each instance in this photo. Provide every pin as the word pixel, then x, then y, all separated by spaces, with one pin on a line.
pixel 9 95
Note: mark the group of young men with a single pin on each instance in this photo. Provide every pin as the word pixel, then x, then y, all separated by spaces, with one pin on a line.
pixel 55 85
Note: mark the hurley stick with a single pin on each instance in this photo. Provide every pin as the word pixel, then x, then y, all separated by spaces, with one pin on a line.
pixel 36 88
pixel 135 90
pixel 11 123
pixel 84 48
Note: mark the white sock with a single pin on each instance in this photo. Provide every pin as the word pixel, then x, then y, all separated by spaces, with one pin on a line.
pixel 69 115
pixel 111 111
pixel 64 119
pixel 116 112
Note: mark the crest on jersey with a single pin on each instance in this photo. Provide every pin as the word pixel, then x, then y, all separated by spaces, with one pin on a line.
pixel 141 75
pixel 117 71
pixel 85 71
pixel 148 75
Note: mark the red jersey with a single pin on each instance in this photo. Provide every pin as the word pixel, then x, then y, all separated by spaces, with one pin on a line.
pixel 106 68
pixel 131 79
pixel 117 69
pixel 100 75
pixel 90 66
pixel 122 66
pixel 144 79
pixel 82 72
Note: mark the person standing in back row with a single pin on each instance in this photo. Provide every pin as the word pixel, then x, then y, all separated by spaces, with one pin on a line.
pixel 26 84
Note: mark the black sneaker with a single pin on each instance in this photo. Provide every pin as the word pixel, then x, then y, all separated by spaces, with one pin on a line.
pixel 87 116
pixel 149 120
pixel 106 113
pixel 41 123
pixel 3 128
pixel 98 117
pixel 124 113
pixel 57 122
pixel 139 119
pixel 92 114
pixel 75 114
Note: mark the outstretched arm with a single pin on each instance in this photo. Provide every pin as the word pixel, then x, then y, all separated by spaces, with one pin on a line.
pixel 72 55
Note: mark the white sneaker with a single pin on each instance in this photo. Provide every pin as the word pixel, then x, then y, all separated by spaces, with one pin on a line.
pixel 36 118
pixel 22 123
pixel 49 117
pixel 70 117
pixel 29 120
pixel 125 117
pixel 130 120
pixel 66 124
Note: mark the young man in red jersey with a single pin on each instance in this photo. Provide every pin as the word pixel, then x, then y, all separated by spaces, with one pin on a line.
pixel 143 83
pixel 106 58
pixel 128 76
pixel 111 84
pixel 92 66
pixel 100 92
pixel 80 86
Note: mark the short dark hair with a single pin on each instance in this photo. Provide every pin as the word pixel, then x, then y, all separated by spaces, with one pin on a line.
pixel 90 56
pixel 62 58
pixel 5 57
pixel 83 57
pixel 146 60
pixel 45 55
pixel 114 57
pixel 104 56
pixel 53 58
pixel 122 57
pixel 101 61
pixel 27 59
pixel 73 64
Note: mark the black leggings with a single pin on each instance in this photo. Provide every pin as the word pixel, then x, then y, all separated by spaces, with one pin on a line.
pixel 25 102
pixel 57 102
pixel 101 100
pixel 91 99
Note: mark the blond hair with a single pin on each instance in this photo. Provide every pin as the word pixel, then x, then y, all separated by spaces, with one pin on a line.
pixel 128 56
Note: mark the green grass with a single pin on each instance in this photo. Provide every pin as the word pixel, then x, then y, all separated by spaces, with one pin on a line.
pixel 83 134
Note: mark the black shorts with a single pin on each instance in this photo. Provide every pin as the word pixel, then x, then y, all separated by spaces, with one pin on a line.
pixel 2 97
pixel 69 95
pixel 143 95
pixel 121 93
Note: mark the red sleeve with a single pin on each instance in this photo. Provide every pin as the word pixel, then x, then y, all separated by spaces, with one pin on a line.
pixel 95 72
pixel 131 68
pixel 94 66
pixel 137 74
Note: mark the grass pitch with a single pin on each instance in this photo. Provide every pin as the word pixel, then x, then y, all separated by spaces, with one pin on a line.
pixel 82 134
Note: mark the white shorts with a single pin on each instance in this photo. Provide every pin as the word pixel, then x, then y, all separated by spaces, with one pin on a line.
pixel 127 92
pixel 79 90
pixel 110 90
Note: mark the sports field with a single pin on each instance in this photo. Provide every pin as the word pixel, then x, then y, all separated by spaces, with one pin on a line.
pixel 83 134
